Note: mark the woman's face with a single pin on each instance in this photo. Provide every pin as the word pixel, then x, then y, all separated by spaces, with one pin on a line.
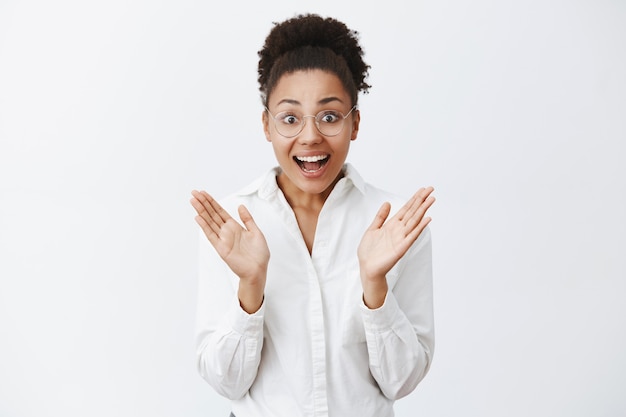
pixel 311 162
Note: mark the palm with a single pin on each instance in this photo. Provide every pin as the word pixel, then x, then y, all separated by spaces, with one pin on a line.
pixel 381 248
pixel 386 241
pixel 244 249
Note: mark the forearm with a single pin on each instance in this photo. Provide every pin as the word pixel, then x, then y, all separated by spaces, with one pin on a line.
pixel 228 339
pixel 400 334
pixel 398 356
pixel 228 356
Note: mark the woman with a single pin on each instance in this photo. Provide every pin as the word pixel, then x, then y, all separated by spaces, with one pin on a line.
pixel 317 303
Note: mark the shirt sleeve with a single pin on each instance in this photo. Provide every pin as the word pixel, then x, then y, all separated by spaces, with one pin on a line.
pixel 228 340
pixel 400 334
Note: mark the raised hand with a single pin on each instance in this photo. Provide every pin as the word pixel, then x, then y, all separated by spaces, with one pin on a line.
pixel 244 249
pixel 385 242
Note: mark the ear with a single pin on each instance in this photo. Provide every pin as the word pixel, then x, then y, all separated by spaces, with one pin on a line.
pixel 266 125
pixel 356 119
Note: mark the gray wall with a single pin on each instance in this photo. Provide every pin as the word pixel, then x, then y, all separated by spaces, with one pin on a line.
pixel 111 112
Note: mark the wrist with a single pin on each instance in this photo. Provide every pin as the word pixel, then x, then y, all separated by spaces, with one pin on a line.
pixel 251 295
pixel 374 292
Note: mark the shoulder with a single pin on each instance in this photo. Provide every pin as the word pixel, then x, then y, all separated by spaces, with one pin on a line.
pixel 257 190
pixel 372 194
pixel 375 193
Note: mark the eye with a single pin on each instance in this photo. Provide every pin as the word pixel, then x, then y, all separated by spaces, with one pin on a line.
pixel 329 116
pixel 287 118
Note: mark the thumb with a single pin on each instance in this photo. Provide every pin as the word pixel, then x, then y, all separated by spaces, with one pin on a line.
pixel 381 216
pixel 247 219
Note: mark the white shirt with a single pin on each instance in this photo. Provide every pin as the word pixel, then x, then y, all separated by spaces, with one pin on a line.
pixel 314 348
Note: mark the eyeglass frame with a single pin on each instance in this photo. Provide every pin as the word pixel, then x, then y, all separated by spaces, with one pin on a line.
pixel 317 126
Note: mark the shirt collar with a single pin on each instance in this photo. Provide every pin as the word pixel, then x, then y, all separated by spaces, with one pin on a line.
pixel 351 175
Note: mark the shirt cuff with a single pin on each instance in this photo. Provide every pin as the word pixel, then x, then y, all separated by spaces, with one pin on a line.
pixel 244 323
pixel 383 318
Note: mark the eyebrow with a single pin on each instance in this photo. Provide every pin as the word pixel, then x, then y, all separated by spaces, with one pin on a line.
pixel 325 100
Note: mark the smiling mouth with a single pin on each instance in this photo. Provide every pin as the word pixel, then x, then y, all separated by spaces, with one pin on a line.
pixel 311 163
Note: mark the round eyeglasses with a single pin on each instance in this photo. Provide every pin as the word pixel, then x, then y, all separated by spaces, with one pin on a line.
pixel 328 122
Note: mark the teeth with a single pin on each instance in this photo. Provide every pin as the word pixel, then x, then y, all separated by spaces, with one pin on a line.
pixel 311 158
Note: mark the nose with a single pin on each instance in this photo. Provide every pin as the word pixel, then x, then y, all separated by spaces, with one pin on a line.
pixel 310 134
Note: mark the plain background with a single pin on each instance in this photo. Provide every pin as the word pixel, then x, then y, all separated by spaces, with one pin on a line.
pixel 111 112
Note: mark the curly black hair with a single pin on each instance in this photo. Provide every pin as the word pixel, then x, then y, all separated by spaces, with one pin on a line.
pixel 309 41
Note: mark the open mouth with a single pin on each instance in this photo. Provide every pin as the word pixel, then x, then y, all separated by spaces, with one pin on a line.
pixel 311 163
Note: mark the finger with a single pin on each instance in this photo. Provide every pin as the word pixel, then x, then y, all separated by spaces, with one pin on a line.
pixel 211 212
pixel 204 218
pixel 400 215
pixel 415 203
pixel 214 209
pixel 200 210
pixel 209 232
pixel 415 233
pixel 381 216
pixel 198 202
pixel 247 219
pixel 417 217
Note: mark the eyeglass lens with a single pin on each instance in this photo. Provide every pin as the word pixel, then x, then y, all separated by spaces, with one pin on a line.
pixel 328 122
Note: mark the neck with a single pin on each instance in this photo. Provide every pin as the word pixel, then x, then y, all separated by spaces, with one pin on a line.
pixel 301 199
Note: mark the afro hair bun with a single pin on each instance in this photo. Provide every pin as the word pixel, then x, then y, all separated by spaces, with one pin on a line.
pixel 316 31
